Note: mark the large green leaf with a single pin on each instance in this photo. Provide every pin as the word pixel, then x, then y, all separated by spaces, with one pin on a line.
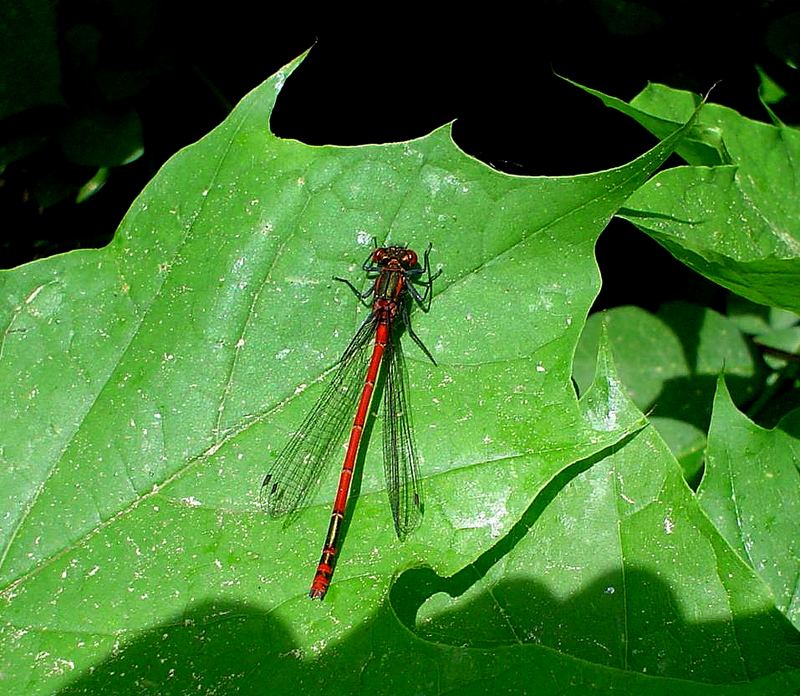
pixel 737 223
pixel 146 387
pixel 751 491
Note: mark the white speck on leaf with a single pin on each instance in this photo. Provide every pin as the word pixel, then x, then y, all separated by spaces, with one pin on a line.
pixel 302 281
pixel 491 514
pixel 60 666
pixel 319 646
pixel 433 181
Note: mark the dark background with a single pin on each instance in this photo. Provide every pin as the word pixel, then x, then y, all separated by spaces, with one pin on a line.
pixel 174 72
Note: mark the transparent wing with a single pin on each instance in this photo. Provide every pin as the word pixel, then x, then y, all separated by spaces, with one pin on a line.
pixel 297 471
pixel 399 452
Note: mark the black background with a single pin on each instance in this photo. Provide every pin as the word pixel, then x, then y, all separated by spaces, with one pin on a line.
pixel 391 75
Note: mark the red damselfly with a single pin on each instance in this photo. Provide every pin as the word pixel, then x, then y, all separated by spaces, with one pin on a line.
pixel 300 464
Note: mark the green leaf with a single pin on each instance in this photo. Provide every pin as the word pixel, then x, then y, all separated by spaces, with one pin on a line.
pixel 668 363
pixel 618 566
pixel 687 444
pixel 661 110
pixel 738 225
pixel 769 91
pixel 751 491
pixel 646 350
pixel 776 330
pixel 786 340
pixel 92 186
pixel 147 386
pixel 756 319
pixel 103 138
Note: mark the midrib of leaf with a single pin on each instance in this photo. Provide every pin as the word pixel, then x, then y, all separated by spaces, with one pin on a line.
pixel 739 521
pixel 731 611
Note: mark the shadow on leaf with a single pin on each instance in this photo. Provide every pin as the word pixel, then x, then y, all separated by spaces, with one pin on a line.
pixel 617 633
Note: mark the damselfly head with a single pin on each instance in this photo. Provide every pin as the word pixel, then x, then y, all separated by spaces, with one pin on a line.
pixel 393 255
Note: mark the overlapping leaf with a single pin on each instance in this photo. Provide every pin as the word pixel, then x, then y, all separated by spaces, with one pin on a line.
pixel 751 490
pixel 734 214
pixel 668 362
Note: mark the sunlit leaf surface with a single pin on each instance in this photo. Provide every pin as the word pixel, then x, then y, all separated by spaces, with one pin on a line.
pixel 751 491
pixel 734 214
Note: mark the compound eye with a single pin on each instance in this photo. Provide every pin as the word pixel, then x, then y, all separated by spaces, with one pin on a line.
pixel 378 255
pixel 409 259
